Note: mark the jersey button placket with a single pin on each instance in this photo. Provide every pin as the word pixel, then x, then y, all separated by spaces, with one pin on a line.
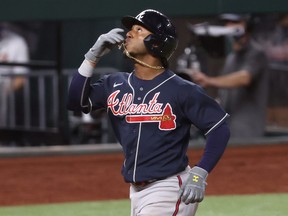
pixel 141 90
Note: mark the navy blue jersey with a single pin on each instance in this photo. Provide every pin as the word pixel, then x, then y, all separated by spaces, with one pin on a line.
pixel 151 118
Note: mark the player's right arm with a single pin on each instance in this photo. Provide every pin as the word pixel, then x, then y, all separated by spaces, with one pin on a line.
pixel 80 89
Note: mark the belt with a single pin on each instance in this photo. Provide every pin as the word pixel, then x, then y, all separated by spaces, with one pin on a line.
pixel 143 183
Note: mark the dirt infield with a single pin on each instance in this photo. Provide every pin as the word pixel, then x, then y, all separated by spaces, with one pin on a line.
pixel 34 180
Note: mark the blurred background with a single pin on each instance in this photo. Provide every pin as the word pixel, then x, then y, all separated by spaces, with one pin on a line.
pixel 49 39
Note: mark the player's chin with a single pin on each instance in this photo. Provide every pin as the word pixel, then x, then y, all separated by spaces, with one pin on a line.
pixel 131 52
pixel 129 48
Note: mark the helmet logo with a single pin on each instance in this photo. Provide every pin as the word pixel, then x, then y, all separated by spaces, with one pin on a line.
pixel 140 16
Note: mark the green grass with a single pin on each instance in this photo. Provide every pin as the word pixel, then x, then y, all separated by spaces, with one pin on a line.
pixel 244 205
pixel 107 208
pixel 248 205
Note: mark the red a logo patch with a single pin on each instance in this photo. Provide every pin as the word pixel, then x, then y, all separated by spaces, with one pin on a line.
pixel 166 120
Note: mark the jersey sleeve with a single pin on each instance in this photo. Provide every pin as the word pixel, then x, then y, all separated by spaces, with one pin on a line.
pixel 207 115
pixel 82 96
pixel 78 93
pixel 216 143
pixel 202 110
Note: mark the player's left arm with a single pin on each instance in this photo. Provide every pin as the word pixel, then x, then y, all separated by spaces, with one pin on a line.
pixel 216 142
pixel 193 189
pixel 206 114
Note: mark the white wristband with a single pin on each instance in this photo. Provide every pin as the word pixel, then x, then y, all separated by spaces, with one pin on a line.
pixel 86 69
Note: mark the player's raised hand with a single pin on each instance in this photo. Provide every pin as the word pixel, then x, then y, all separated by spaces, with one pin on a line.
pixel 104 44
pixel 193 189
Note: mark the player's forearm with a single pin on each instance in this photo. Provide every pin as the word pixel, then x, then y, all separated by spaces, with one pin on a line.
pixel 215 146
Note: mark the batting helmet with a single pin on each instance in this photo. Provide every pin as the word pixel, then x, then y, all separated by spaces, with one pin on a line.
pixel 163 42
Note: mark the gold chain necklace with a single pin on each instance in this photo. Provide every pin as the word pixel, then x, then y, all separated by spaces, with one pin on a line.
pixel 139 61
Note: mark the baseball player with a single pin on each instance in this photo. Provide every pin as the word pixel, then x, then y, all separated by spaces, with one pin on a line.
pixel 152 110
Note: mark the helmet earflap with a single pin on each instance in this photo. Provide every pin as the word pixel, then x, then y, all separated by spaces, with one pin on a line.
pixel 160 45
pixel 153 44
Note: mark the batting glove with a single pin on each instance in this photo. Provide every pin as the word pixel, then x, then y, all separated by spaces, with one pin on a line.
pixel 104 44
pixel 193 189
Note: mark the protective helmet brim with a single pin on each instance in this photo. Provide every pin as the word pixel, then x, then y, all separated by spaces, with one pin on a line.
pixel 129 21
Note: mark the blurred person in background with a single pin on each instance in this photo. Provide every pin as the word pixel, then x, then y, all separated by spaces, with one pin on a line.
pixel 276 48
pixel 13 49
pixel 243 84
pixel 277 41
